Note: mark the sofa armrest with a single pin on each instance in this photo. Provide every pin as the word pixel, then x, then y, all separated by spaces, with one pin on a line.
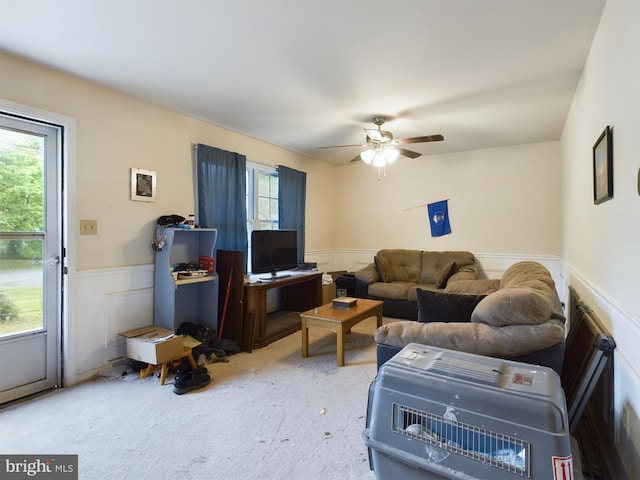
pixel 368 274
pixel 362 289
pixel 465 272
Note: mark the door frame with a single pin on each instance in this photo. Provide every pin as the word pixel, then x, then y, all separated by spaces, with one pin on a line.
pixel 67 367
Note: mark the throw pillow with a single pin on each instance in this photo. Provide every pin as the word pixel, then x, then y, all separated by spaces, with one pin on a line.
pixel 384 268
pixel 445 307
pixel 446 273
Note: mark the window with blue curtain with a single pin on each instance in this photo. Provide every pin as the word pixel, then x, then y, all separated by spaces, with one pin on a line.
pixel 292 193
pixel 221 184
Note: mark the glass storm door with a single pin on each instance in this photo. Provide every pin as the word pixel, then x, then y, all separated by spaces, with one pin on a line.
pixel 30 250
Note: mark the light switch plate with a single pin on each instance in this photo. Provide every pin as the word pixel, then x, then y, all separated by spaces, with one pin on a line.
pixel 88 227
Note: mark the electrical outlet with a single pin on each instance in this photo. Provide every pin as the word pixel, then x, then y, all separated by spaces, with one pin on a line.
pixel 88 227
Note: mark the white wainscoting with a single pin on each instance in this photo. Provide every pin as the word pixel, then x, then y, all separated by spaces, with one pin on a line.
pixel 107 301
pixel 624 327
pixel 492 265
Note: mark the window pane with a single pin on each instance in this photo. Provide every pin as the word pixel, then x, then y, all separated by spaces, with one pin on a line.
pixel 263 209
pixel 20 286
pixel 273 203
pixel 21 182
pixel 263 185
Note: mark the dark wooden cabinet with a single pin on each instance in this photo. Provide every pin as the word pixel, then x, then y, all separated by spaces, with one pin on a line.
pixel 299 292
pixel 230 268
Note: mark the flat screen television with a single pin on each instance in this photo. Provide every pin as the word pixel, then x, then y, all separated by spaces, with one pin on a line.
pixel 273 251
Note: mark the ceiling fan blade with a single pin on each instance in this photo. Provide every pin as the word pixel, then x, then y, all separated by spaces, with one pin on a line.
pixel 408 153
pixel 357 158
pixel 340 146
pixel 426 138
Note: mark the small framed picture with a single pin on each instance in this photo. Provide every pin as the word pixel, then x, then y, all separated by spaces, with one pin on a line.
pixel 143 185
pixel 603 167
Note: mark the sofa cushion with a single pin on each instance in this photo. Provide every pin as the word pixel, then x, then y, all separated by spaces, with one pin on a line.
pixel 446 273
pixel 383 267
pixel 468 272
pixel 390 290
pixel 535 276
pixel 401 265
pixel 525 271
pixel 484 285
pixel 434 262
pixel 446 307
pixel 513 306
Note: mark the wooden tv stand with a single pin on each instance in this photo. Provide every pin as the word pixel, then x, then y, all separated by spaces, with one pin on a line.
pixel 300 291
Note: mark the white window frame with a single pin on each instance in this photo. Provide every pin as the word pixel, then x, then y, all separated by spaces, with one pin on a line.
pixel 252 201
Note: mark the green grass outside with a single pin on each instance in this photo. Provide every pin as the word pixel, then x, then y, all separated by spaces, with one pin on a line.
pixel 28 303
pixel 26 300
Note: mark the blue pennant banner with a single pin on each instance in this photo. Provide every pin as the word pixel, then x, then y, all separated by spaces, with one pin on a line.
pixel 439 218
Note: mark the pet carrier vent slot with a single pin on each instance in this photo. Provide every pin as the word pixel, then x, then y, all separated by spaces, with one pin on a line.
pixel 491 448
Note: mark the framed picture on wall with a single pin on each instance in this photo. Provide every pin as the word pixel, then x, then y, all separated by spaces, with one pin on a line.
pixel 143 185
pixel 603 167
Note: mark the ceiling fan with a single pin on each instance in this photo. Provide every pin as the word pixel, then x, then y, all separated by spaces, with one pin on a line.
pixel 380 147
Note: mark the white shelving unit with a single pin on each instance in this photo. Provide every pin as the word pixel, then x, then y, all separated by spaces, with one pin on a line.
pixel 185 300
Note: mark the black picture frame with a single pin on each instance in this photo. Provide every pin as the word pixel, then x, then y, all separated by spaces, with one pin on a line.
pixel 143 185
pixel 603 167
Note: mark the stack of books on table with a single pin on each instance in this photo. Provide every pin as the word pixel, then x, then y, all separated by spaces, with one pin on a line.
pixel 344 303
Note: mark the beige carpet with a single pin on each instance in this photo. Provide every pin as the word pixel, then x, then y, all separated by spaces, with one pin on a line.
pixel 269 415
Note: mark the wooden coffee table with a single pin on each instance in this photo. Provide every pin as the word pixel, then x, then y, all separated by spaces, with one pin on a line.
pixel 339 321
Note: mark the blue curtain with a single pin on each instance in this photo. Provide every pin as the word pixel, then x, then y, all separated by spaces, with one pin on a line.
pixel 292 198
pixel 222 187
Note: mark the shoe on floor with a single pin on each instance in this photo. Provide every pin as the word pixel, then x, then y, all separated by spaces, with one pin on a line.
pixel 185 366
pixel 190 381
pixel 182 371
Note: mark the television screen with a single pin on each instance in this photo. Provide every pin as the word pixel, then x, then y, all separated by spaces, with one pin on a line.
pixel 273 251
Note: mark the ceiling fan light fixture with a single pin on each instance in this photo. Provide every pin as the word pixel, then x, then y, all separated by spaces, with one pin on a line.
pixel 379 159
pixel 367 156
pixel 391 154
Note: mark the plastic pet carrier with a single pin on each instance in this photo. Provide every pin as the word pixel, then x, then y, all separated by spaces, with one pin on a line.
pixel 435 413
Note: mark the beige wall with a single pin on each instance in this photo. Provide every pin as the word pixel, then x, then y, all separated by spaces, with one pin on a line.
pixel 501 200
pixel 600 242
pixel 116 132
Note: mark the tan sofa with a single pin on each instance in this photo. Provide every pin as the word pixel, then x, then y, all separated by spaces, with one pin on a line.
pixel 396 274
pixel 520 318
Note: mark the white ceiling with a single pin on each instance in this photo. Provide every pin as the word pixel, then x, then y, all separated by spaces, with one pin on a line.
pixel 302 74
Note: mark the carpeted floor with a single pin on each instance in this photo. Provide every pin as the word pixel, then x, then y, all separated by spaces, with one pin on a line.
pixel 269 415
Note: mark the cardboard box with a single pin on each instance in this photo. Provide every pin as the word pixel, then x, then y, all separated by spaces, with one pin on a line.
pixel 328 293
pixel 153 344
